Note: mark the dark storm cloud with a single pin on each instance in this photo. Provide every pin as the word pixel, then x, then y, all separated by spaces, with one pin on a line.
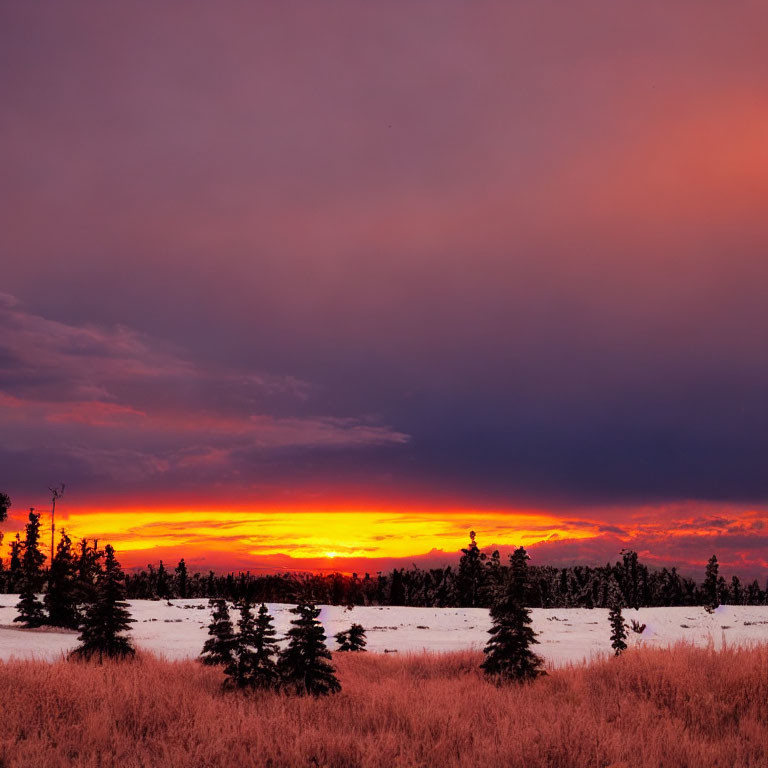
pixel 506 253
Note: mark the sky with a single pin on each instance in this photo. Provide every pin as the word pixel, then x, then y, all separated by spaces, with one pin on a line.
pixel 325 285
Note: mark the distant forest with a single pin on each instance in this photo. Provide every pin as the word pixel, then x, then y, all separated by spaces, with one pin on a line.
pixel 472 582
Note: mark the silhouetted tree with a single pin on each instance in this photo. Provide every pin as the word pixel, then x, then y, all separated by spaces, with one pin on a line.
pixel 162 587
pixel 710 588
pixel 29 607
pixel 265 650
pixel 508 654
pixel 107 618
pixel 219 647
pixel 88 570
pixel 14 565
pixel 737 591
pixel 240 671
pixel 253 657
pixel 471 573
pixel 616 619
pixel 181 578
pixel 303 665
pixel 352 639
pixel 630 583
pixel 61 597
pixel 494 577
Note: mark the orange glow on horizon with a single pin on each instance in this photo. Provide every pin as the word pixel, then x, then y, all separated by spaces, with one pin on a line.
pixel 250 535
pixel 351 537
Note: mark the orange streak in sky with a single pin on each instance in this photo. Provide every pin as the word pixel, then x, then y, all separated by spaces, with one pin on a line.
pixel 250 534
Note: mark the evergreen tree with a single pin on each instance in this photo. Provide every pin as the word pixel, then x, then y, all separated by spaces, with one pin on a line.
pixel 630 584
pixel 29 607
pixel 181 578
pixel 240 671
pixel 471 573
pixel 303 665
pixel 494 577
pixel 352 639
pixel 163 586
pixel 711 591
pixel 508 654
pixel 88 571
pixel 396 590
pixel 107 618
pixel 219 647
pixel 14 565
pixel 265 674
pixel 616 619
pixel 723 593
pixel 737 591
pixel 253 657
pixel 754 593
pixel 61 597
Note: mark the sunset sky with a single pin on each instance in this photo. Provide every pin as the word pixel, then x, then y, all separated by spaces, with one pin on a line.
pixel 327 284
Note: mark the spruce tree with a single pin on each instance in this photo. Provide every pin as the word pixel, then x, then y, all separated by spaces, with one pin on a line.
pixel 737 591
pixel 88 570
pixel 107 618
pixel 471 573
pixel 508 654
pixel 14 565
pixel 352 639
pixel 711 588
pixel 162 587
pixel 182 578
pixel 616 619
pixel 219 646
pixel 29 607
pixel 630 585
pixel 61 597
pixel 240 671
pixel 303 665
pixel 265 674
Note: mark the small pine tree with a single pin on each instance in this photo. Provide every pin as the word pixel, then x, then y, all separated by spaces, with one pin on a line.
pixel 14 565
pixel 61 597
pixel 471 573
pixel 616 619
pixel 352 639
pixel 303 665
pixel 711 585
pixel 88 570
pixel 219 646
pixel 508 654
pixel 162 587
pixel 240 671
pixel 265 674
pixel 182 578
pixel 29 607
pixel 107 617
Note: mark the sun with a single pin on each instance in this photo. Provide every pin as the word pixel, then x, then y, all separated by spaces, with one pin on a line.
pixel 330 555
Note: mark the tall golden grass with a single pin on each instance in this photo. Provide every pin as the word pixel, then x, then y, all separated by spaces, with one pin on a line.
pixel 679 707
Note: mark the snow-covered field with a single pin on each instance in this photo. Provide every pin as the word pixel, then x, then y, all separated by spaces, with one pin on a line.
pixel 178 630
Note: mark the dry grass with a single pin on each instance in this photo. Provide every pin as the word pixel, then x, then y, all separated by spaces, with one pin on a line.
pixel 677 708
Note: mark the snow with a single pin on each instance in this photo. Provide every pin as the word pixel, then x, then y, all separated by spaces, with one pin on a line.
pixel 178 630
